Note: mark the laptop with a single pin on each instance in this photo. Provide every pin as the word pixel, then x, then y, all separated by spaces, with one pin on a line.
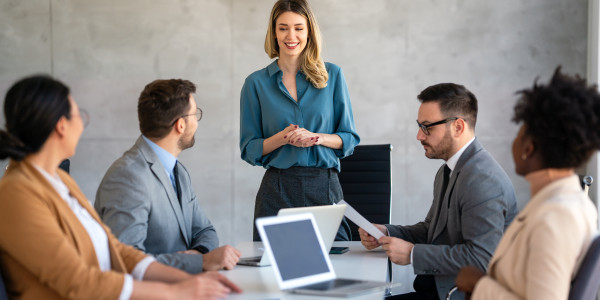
pixel 328 218
pixel 301 264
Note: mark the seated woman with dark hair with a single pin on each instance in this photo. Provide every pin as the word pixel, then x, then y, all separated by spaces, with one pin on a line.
pixel 52 243
pixel 542 249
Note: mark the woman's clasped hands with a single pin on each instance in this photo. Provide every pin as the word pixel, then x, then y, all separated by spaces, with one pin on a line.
pixel 300 137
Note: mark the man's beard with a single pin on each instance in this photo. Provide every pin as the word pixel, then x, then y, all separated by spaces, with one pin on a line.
pixel 442 151
pixel 185 144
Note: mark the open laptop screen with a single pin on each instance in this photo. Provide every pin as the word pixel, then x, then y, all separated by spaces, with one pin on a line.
pixel 296 249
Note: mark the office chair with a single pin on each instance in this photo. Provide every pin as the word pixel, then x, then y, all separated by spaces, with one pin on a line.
pixel 586 181
pixel 587 280
pixel 366 180
pixel 65 165
pixel 3 295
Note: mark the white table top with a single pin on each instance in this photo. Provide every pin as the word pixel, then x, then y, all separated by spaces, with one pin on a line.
pixel 260 282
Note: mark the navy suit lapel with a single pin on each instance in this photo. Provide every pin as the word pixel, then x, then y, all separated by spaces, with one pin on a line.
pixel 159 172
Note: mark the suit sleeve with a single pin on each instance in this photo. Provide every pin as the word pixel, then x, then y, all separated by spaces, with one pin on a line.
pixel 31 234
pixel 121 202
pixel 550 258
pixel 204 234
pixel 416 233
pixel 483 210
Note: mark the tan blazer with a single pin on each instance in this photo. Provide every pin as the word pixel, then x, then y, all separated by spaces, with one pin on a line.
pixel 541 250
pixel 45 252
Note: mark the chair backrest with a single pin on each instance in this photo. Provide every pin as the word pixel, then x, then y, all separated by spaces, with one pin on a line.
pixel 587 280
pixel 586 181
pixel 366 180
pixel 65 165
pixel 3 295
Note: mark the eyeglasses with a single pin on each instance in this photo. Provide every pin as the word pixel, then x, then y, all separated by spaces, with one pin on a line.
pixel 198 115
pixel 425 127
pixel 85 117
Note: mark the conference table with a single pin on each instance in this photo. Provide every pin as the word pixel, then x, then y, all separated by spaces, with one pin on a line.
pixel 358 263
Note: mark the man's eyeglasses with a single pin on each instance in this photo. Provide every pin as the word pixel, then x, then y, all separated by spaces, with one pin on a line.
pixel 198 115
pixel 425 127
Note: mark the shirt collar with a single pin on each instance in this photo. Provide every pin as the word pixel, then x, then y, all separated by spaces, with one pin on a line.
pixel 451 162
pixel 166 159
pixel 273 68
pixel 55 181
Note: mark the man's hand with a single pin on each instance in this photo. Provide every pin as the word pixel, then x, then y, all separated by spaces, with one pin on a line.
pixel 398 250
pixel 209 285
pixel 367 240
pixel 225 257
pixel 467 279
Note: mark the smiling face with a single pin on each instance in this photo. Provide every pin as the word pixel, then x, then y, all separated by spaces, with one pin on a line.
pixel 292 34
pixel 439 143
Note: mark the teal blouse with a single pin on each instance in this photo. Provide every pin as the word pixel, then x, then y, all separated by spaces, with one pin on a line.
pixel 266 108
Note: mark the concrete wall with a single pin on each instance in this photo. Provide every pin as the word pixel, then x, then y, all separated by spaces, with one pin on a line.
pixel 106 51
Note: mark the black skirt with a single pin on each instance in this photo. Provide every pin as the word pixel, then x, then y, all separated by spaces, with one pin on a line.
pixel 299 187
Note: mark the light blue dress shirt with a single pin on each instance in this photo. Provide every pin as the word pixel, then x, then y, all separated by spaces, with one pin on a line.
pixel 266 108
pixel 166 159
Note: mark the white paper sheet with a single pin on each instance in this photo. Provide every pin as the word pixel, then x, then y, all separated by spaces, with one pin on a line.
pixel 359 220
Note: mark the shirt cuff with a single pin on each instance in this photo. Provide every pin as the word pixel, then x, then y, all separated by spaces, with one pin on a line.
pixel 127 288
pixel 140 269
pixel 411 252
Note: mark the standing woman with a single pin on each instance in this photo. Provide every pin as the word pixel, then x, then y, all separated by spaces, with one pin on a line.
pixel 295 117
pixel 52 243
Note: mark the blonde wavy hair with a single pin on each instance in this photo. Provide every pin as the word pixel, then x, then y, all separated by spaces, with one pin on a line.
pixel 311 62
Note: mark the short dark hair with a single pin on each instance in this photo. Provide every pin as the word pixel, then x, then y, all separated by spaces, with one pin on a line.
pixel 562 118
pixel 454 99
pixel 32 107
pixel 161 103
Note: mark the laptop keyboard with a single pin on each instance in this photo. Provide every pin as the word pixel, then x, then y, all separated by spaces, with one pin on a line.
pixel 331 284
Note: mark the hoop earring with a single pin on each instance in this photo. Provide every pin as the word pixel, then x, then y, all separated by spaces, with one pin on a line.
pixel 524 156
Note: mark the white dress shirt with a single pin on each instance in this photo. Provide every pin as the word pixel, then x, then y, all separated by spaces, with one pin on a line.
pixel 97 235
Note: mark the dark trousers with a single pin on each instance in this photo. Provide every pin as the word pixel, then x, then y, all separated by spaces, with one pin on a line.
pixel 425 289
pixel 299 187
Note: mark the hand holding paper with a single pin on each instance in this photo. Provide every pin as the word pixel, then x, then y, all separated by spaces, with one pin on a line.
pixel 359 220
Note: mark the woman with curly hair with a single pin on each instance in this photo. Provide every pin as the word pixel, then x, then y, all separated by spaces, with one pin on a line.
pixel 295 117
pixel 542 249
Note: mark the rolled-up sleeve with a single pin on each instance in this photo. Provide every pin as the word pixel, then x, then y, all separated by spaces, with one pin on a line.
pixel 251 135
pixel 344 117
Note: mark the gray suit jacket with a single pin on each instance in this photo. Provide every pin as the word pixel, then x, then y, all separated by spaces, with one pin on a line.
pixel 464 226
pixel 137 201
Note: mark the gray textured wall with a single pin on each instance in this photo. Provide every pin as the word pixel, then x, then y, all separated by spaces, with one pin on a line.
pixel 389 50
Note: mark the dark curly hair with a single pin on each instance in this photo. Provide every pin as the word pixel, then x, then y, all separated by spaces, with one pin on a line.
pixel 32 107
pixel 161 103
pixel 562 118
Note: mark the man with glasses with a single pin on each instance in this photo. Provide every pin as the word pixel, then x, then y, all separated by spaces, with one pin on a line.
pixel 473 198
pixel 146 196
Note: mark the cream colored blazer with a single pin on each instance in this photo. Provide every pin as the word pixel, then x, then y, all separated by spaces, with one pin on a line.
pixel 541 250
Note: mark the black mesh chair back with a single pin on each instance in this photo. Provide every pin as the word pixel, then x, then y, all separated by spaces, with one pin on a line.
pixel 587 280
pixel 3 295
pixel 366 180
